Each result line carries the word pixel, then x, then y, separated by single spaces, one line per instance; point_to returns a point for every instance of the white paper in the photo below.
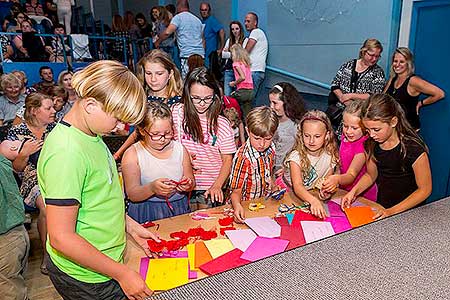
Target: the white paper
pixel 264 226
pixel 241 239
pixel 316 230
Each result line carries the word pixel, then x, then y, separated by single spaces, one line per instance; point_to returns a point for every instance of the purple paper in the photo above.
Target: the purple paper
pixel 339 224
pixel 264 226
pixel 241 239
pixel 263 247
pixel 174 254
pixel 335 210
pixel 144 267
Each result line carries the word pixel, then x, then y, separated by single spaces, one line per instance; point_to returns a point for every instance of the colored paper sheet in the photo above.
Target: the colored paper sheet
pixel 339 224
pixel 191 256
pixel 335 210
pixel 218 247
pixel 282 221
pixel 228 261
pixel 302 216
pixel 167 273
pixel 359 215
pixel 264 226
pixel 314 230
pixel 290 217
pixel 294 235
pixel 143 267
pixel 241 239
pixel 263 247
pixel 202 254
pixel 338 202
pixel 180 254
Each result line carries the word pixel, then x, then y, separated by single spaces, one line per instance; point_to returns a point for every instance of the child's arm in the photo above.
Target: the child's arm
pixel 347 178
pixel 240 78
pixel 239 214
pixel 242 133
pixel 132 180
pixel 363 184
pixel 61 222
pixel 300 191
pixel 187 173
pixel 422 174
pixel 128 142
pixel 140 234
pixel 215 191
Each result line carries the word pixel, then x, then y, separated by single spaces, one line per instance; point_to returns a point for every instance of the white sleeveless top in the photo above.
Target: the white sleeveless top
pixel 153 168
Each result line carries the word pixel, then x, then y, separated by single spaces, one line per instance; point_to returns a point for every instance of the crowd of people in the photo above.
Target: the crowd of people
pixel 193 143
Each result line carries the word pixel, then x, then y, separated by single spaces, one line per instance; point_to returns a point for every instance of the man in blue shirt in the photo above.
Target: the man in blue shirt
pixel 212 29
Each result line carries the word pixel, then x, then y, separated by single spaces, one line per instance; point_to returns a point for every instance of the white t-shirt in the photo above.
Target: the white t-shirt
pixel 258 54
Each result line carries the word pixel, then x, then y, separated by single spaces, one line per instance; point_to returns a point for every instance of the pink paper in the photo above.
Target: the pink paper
pixel 263 247
pixel 264 226
pixel 339 224
pixel 316 230
pixel 241 239
pixel 338 202
pixel 166 254
pixel 335 210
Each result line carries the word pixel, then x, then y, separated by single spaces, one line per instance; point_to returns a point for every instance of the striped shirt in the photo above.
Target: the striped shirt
pixel 207 159
pixel 252 171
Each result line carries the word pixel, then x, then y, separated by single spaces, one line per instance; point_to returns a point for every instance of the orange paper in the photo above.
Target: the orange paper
pixel 359 215
pixel 202 254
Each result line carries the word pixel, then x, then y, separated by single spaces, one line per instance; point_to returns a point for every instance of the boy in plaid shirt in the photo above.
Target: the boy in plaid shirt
pixel 251 173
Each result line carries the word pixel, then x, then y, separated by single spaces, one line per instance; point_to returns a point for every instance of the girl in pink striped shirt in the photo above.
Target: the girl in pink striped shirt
pixel 207 136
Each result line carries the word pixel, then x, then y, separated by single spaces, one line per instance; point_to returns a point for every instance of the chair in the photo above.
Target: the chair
pixel 80 44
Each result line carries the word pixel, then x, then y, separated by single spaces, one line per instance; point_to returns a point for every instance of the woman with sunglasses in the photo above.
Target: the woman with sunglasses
pixel 207 136
pixel 356 79
pixel 157 170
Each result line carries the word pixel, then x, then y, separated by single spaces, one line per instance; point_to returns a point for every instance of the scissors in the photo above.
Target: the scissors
pixel 276 195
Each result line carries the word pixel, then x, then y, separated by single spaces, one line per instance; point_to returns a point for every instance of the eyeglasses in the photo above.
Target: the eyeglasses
pixel 377 56
pixel 158 137
pixel 207 99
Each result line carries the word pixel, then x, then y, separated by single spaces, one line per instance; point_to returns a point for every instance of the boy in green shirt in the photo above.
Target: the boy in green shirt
pixel 84 202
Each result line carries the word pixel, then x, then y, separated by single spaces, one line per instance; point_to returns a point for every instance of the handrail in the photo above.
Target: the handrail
pixel 299 77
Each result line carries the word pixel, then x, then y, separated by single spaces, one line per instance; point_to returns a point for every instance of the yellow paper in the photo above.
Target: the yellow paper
pixel 167 273
pixel 191 255
pixel 218 247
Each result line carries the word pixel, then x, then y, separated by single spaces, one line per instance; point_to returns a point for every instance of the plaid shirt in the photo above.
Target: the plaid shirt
pixel 252 171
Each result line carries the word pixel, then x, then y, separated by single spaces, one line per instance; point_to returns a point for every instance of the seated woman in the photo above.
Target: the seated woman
pixel 357 79
pixel 12 99
pixel 57 47
pixel 405 87
pixel 39 121
pixel 29 46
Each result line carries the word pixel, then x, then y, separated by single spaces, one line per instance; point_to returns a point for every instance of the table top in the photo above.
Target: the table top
pixel 134 252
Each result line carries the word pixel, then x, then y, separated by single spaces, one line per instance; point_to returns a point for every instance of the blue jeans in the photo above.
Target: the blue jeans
pixel 258 78
pixel 228 76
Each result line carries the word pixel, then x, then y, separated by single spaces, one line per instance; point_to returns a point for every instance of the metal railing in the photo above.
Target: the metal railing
pixel 298 77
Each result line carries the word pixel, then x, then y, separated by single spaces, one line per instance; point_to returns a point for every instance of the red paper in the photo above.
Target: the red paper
pixel 294 235
pixel 282 221
pixel 302 216
pixel 227 261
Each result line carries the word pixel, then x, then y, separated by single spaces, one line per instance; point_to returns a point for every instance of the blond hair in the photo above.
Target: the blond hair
pixel 233 116
pixel 240 54
pixel 262 121
pixel 409 57
pixel 112 84
pixel 330 146
pixel 9 80
pixel 155 111
pixel 175 84
pixel 370 44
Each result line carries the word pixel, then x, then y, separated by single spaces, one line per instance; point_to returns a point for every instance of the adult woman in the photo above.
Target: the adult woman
pixel 144 28
pixel 33 8
pixel 168 45
pixel 162 82
pixel 12 99
pixel 19 18
pixel 405 87
pixel 30 47
pixel 39 121
pixel 133 29
pixel 119 30
pixel 236 36
pixel 357 79
pixel 64 10
pixel 65 81
pixel 154 16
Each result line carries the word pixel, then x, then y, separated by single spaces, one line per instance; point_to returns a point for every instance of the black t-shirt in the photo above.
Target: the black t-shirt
pixel 396 179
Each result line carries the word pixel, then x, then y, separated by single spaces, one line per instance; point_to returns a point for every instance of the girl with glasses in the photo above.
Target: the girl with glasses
pixel 207 136
pixel 157 171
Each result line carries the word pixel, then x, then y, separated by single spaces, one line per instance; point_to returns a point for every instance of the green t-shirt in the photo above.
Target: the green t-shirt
pixel 11 203
pixel 75 168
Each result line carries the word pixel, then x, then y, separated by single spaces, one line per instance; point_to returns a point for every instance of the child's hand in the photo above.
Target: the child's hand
pixel 324 195
pixel 317 209
pixel 185 185
pixel 330 184
pixel 232 83
pixel 162 187
pixel 215 193
pixel 133 285
pixel 348 199
pixel 239 213
pixel 279 173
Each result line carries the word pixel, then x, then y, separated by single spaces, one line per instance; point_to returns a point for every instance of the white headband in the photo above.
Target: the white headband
pixel 276 86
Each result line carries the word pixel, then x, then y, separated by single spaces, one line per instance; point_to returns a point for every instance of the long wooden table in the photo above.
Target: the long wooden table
pixel 134 252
